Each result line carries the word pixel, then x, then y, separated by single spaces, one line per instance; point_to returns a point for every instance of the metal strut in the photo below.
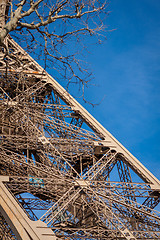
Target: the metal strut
pixel 59 180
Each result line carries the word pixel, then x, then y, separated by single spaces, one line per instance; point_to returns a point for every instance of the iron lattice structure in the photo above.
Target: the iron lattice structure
pixel 64 176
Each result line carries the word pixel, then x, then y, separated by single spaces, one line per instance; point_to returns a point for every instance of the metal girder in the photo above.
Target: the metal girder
pixel 55 165
pixel 88 118
pixel 21 225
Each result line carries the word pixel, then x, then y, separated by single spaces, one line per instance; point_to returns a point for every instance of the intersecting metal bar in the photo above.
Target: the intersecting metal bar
pixel 45 152
pixel 93 123
pixel 24 228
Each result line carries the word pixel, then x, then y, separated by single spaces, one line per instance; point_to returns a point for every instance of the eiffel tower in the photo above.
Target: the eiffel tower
pixel 62 174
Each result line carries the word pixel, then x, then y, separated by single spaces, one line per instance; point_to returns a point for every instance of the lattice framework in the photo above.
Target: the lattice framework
pixel 81 182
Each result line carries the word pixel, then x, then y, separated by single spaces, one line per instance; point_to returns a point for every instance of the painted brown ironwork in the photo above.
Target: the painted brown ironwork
pixel 61 172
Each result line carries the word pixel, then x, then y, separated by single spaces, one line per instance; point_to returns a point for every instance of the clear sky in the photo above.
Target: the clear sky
pixel 127 78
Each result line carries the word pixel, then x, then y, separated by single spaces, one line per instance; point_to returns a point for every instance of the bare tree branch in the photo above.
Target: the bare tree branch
pixel 52 28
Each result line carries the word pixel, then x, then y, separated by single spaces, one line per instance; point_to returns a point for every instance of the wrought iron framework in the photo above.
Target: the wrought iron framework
pixel 64 176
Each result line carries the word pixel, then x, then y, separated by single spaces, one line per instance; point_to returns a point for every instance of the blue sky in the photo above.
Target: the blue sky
pixel 127 79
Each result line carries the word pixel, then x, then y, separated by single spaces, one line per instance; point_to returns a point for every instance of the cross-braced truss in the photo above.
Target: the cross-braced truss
pixel 64 169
